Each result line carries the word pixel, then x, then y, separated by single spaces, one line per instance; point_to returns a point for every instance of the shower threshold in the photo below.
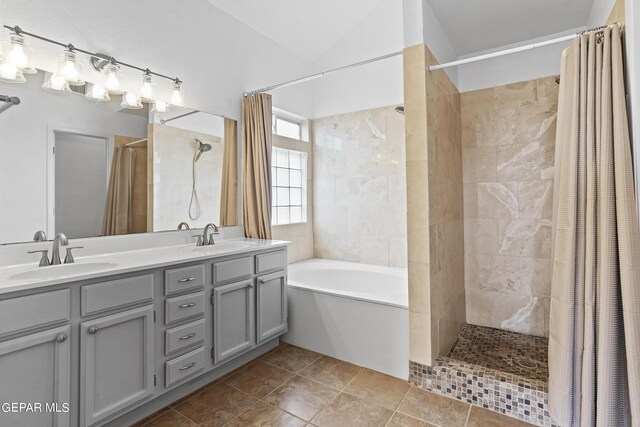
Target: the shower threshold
pixel 498 370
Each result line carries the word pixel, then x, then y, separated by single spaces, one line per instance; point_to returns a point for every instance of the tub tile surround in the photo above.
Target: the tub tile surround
pixel 435 207
pixel 362 398
pixel 300 235
pixel 508 147
pixel 359 187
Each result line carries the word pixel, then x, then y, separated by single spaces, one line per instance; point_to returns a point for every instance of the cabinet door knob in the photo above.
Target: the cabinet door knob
pixel 251 285
pixel 61 338
pixel 262 281
pixel 93 330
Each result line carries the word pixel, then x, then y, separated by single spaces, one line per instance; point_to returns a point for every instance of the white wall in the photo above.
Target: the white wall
pixel 370 86
pixel 23 148
pixel 632 11
pixel 600 11
pixel 528 65
pixel 216 56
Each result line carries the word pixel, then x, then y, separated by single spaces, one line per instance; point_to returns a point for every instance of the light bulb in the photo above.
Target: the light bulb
pixel 56 83
pixel 10 73
pixel 161 106
pixel 131 101
pixel 146 91
pixel 18 57
pixel 112 79
pixel 70 67
pixel 177 96
pixel 17 51
pixel 98 93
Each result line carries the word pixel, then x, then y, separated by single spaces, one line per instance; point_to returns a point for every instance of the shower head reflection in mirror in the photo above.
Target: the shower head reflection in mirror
pixel 194 203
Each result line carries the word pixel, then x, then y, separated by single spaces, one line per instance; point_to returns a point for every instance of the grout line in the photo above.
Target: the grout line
pixel 466 421
pixel 175 410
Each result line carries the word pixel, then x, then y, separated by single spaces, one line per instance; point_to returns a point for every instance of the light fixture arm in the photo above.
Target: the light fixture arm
pixel 16 29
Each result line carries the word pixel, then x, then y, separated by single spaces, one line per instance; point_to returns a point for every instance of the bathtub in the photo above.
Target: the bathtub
pixel 353 312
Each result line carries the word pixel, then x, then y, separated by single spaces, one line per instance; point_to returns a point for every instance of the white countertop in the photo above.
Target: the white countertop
pixel 17 277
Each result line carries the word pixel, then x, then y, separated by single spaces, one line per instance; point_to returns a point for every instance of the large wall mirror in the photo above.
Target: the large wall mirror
pixel 92 169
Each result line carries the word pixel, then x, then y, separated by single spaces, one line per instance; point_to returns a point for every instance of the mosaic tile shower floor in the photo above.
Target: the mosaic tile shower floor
pixel 513 353
pixel 502 371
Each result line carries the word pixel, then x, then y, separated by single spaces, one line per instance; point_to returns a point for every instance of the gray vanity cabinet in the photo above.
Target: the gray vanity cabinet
pixel 271 306
pixel 37 368
pixel 116 363
pixel 233 319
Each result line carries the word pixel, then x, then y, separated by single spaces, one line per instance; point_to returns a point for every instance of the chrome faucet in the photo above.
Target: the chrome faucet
pixel 60 239
pixel 183 226
pixel 209 240
pixel 40 236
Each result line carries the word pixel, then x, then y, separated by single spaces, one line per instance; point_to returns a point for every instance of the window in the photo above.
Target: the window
pixel 289 186
pixel 286 127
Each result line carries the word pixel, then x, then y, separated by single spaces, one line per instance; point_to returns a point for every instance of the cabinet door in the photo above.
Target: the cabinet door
pixel 233 319
pixel 36 369
pixel 116 363
pixel 272 306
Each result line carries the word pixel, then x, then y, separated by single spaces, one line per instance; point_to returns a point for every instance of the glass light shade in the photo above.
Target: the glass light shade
pixel 18 52
pixel 161 106
pixel 112 79
pixel 146 90
pixel 177 96
pixel 131 101
pixel 56 83
pixel 9 73
pixel 70 67
pixel 98 93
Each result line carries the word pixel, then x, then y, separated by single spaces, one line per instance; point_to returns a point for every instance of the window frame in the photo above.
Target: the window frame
pixel 275 186
pixel 276 117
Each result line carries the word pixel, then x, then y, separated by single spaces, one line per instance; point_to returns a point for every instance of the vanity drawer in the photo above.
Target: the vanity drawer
pixel 184 366
pixel 183 307
pixel 270 262
pixel 232 270
pixel 18 314
pixel 184 336
pixel 116 293
pixel 182 279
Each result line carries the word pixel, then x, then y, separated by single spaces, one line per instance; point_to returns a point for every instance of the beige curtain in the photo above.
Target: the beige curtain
pixel 594 343
pixel 229 191
pixel 118 211
pixel 256 165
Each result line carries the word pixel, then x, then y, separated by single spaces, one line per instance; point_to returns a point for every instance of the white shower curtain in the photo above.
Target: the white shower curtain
pixel 594 343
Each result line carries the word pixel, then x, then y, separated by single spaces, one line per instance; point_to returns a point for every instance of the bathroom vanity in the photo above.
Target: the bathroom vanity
pixel 133 331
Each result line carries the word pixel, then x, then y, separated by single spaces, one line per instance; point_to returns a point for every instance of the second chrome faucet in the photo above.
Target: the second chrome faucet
pixel 60 240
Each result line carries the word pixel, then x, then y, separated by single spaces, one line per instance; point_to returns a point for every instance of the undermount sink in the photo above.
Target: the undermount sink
pixel 62 270
pixel 224 246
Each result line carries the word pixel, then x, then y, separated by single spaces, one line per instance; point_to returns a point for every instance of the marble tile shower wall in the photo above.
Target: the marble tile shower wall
pixel 359 187
pixel 508 145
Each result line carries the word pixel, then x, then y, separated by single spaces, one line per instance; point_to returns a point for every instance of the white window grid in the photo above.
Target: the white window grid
pixel 286 127
pixel 288 187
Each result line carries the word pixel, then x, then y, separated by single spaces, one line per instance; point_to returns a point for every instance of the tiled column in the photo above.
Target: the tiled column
pixel 415 105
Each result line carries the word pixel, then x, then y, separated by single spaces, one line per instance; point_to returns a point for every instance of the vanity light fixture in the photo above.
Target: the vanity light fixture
pixel 98 93
pixel 161 106
pixel 16 61
pixel 112 75
pixel 70 67
pixel 56 82
pixel 177 95
pixel 17 51
pixel 131 101
pixel 146 90
pixel 9 73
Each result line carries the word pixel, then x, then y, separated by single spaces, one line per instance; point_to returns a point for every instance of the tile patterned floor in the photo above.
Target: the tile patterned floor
pixel 291 386
pixel 513 353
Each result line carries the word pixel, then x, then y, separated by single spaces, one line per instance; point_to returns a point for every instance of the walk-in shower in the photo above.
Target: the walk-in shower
pixel 194 204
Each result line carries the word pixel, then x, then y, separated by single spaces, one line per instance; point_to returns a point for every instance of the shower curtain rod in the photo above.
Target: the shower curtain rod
pixel 9 101
pixel 516 49
pixel 135 142
pixel 324 73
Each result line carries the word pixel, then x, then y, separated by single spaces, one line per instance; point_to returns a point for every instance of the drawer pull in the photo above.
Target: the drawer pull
pixel 61 338
pixel 187 279
pixel 186 337
pixel 189 366
pixel 191 304
pixel 93 330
